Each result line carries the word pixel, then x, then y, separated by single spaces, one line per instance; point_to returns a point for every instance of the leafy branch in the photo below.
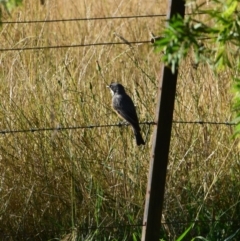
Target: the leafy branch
pixel 221 30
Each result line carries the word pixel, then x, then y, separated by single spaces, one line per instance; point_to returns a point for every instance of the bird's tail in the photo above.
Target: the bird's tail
pixel 138 137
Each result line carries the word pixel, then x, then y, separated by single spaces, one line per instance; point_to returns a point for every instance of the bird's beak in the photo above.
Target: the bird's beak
pixel 112 93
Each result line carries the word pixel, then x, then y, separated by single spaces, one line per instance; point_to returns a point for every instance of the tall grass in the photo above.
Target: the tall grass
pixel 58 184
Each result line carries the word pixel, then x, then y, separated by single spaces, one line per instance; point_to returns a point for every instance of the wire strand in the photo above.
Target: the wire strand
pixel 206 122
pixel 235 221
pixel 108 125
pixel 70 128
pixel 92 19
pixel 83 19
pixel 70 46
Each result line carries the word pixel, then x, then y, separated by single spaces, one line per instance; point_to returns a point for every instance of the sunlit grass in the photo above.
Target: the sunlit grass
pixel 58 183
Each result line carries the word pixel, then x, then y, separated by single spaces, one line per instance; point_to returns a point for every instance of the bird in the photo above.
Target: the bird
pixel 123 105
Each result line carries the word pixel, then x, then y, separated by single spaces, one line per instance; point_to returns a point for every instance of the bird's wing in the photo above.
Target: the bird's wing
pixel 124 106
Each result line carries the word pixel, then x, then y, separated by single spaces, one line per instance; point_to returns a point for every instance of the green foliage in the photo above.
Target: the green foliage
pixel 184 234
pixel 56 185
pixel 9 5
pixel 221 30
pixel 179 37
pixel 231 237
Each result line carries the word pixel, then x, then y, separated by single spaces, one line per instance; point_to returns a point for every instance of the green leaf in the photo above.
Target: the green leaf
pixel 232 7
pixel 185 233
pixel 232 236
pixel 9 5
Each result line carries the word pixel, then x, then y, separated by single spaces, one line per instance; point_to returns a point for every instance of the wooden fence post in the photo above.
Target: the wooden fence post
pixel 161 142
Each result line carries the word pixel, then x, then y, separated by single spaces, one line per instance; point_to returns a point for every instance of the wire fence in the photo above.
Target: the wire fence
pixel 59 128
pixel 72 46
pixel 92 126
pixel 83 19
pixel 92 18
pixel 152 40
pixel 117 227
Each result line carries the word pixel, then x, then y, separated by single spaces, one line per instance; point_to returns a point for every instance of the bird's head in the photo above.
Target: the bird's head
pixel 116 88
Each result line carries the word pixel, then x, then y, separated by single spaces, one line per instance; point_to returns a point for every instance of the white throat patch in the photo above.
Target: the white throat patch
pixel 112 93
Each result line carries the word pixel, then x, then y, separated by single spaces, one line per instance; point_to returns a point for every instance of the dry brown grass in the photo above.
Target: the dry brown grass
pixel 54 181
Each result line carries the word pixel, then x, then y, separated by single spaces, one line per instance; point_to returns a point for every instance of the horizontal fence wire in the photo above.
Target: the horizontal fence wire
pixel 167 223
pixel 152 40
pixel 32 130
pixel 87 44
pixel 83 19
pixel 71 46
pixel 92 18
pixel 207 122
pixel 70 128
pixel 77 45
pixel 234 221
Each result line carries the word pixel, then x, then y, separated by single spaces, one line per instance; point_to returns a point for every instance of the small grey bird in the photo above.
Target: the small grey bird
pixel 125 108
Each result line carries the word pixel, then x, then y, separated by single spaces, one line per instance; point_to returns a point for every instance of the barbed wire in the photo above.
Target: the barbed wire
pixel 60 128
pixel 32 130
pixel 168 223
pixel 207 122
pixel 71 46
pixel 83 19
pixel 234 221
pixel 70 128
pixel 93 18
pixel 152 40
